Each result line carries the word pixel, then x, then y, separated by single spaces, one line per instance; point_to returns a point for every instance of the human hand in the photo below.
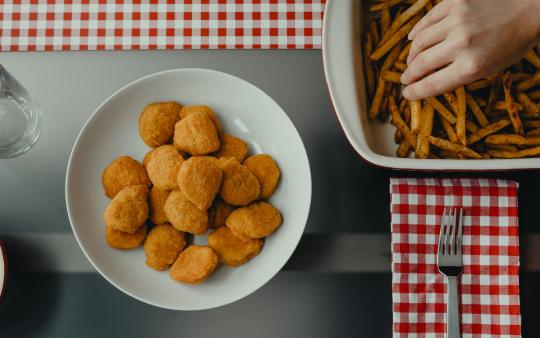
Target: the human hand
pixel 460 41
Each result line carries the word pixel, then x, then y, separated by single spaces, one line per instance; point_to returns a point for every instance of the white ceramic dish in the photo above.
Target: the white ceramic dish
pixel 343 21
pixel 112 130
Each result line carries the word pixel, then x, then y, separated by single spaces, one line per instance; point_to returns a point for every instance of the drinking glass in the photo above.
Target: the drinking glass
pixel 20 117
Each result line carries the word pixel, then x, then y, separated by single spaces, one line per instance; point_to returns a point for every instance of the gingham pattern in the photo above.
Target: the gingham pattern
pixel 489 286
pixel 121 25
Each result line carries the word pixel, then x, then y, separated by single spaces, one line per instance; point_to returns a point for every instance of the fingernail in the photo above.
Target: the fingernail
pixel 406 92
pixel 403 78
pixel 411 35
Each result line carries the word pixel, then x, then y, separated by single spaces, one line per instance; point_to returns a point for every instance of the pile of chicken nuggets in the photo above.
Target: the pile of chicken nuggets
pixel 195 177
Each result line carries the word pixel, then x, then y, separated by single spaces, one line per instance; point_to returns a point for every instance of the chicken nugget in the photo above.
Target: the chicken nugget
pixel 257 220
pixel 203 109
pixel 219 212
pixel 124 240
pixel 156 123
pixel 184 215
pixel 239 187
pixel 121 173
pixel 199 180
pixel 147 158
pixel 196 135
pixel 194 264
pixel 232 147
pixel 162 246
pixel 266 171
pixel 156 202
pixel 164 166
pixel 128 210
pixel 230 249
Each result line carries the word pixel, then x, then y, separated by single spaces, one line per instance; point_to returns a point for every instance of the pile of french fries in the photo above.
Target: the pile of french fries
pixel 494 117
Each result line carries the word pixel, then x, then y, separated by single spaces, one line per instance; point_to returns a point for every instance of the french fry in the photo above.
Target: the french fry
pixel 393 40
pixel 477 112
pixel 402 104
pixel 532 124
pixel 461 117
pixel 416 112
pixel 534 95
pixel 385 20
pixel 513 112
pixel 505 147
pixel 384 5
pixel 401 66
pixel 390 76
pixel 404 149
pixel 452 101
pixel 533 58
pixel 493 94
pixel 453 147
pixel 404 17
pixel 400 124
pixel 404 52
pixel 422 145
pixel 441 109
pixel 450 132
pixel 374 31
pixel 534 132
pixel 518 140
pixel 480 84
pixel 369 70
pixel 501 105
pixel 391 58
pixel 528 104
pixel 529 83
pixel 488 130
pixel 471 127
pixel 375 109
pixel 530 152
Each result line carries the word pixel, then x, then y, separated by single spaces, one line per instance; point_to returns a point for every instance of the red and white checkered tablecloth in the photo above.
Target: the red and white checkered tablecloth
pixel 489 286
pixel 133 24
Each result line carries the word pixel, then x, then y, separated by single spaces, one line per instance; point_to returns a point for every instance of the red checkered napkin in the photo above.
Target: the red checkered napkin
pixel 159 24
pixel 489 286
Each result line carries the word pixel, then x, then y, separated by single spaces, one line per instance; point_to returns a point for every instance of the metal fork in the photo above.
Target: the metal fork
pixel 450 264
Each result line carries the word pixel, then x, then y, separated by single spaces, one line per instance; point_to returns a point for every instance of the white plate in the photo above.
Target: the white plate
pixel 342 55
pixel 112 130
pixel 3 270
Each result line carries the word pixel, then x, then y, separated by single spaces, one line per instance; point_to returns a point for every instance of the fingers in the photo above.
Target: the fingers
pixel 427 38
pixel 438 13
pixel 442 81
pixel 429 60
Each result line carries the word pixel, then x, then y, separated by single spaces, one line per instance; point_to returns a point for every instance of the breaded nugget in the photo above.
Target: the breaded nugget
pixel 232 147
pixel 128 210
pixel 203 109
pixel 147 158
pixel 199 180
pixel 156 202
pixel 266 171
pixel 121 173
pixel 196 135
pixel 124 240
pixel 219 212
pixel 162 246
pixel 239 187
pixel 156 123
pixel 194 264
pixel 230 249
pixel 164 166
pixel 257 220
pixel 184 215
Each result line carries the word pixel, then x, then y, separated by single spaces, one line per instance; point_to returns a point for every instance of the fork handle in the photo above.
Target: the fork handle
pixel 452 310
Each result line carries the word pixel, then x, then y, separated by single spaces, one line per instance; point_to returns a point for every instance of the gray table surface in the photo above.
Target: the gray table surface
pixel 337 283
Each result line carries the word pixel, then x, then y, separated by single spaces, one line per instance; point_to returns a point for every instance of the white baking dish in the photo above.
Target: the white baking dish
pixel 374 141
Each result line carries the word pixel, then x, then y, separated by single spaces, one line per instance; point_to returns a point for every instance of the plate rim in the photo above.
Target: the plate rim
pixel 76 145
